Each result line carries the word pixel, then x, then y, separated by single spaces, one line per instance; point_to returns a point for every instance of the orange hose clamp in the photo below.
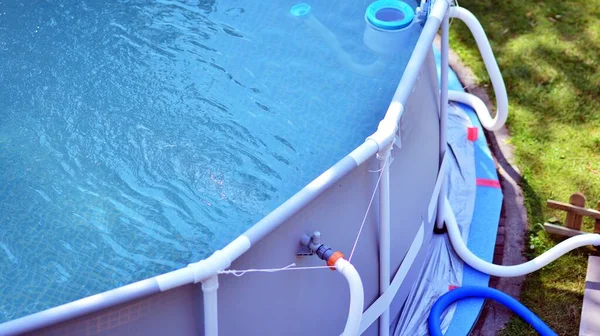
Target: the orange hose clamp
pixel 334 257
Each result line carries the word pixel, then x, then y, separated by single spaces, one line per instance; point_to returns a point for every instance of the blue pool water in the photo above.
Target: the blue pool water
pixel 139 136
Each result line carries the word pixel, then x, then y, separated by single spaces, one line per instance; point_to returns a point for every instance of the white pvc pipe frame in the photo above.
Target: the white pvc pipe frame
pixel 443 107
pixel 210 287
pixel 384 234
pixel 208 268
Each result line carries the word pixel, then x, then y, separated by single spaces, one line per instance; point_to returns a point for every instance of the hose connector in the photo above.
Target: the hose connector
pixel 333 259
pixel 311 245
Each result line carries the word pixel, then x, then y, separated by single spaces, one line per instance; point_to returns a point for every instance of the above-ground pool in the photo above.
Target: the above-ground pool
pixel 137 137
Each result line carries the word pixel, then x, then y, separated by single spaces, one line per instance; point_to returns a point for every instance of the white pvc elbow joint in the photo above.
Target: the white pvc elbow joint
pixel 205 268
pixel 387 128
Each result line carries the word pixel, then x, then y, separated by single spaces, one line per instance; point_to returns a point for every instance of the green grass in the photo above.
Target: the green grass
pixel 549 54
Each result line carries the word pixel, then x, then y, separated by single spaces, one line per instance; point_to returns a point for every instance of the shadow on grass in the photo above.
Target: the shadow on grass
pixel 562 56
pixel 556 298
pixel 562 301
pixel 550 80
pixel 555 294
pixel 549 52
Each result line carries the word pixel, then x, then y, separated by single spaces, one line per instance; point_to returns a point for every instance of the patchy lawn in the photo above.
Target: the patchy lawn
pixel 549 55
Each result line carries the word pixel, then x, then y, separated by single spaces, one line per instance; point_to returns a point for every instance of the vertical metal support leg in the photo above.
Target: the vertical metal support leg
pixel 210 287
pixel 384 234
pixel 443 114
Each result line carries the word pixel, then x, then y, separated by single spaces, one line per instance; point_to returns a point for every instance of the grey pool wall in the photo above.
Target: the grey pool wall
pixel 293 302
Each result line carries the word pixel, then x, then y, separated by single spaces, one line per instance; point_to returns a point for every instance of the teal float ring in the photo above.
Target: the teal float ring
pixel 389 14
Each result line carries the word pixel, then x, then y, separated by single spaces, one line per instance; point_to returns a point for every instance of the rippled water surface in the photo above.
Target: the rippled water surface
pixel 139 136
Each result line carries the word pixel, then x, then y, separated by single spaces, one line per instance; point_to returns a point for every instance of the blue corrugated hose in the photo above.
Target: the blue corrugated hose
pixel 489 293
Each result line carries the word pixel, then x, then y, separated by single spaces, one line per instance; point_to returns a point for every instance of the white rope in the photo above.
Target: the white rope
pixel 375 171
pixel 385 165
pixel 292 266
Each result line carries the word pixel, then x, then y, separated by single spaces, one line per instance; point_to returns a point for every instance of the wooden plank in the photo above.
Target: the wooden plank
pixel 590 323
pixel 568 207
pixel 597 224
pixel 561 230
pixel 574 219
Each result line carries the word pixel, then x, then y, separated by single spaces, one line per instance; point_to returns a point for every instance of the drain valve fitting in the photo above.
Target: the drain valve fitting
pixel 312 245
